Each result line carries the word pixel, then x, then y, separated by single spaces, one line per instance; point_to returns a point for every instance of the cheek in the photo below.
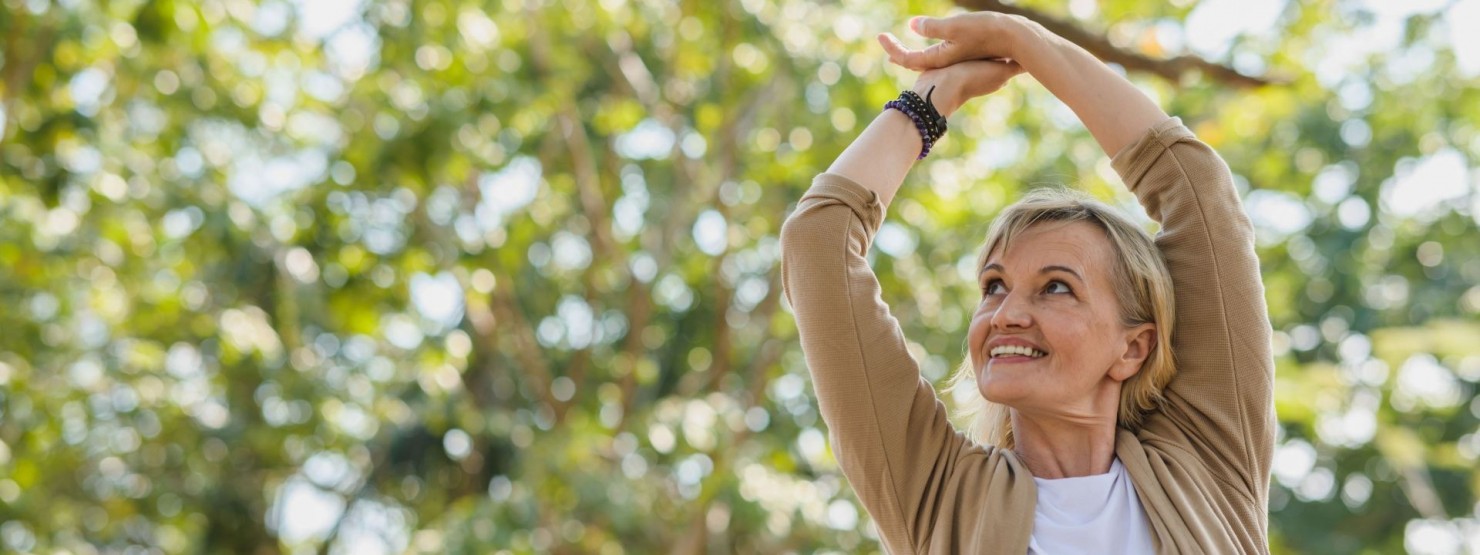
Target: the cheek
pixel 1080 340
pixel 976 333
pixel 1067 334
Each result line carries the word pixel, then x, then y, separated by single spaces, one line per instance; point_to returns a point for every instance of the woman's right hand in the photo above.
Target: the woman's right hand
pixel 968 36
pixel 957 83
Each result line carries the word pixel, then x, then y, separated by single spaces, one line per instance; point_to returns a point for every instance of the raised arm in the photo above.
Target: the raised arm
pixel 1220 402
pixel 880 157
pixel 887 429
pixel 1113 110
pixel 1222 395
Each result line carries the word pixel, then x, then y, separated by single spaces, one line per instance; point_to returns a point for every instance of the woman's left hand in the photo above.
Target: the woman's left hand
pixel 982 35
pixel 957 83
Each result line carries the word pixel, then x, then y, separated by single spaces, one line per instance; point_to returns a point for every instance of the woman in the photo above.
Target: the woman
pixel 1102 444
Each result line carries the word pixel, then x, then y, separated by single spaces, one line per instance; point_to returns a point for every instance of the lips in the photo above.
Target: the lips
pixel 1016 350
pixel 1012 350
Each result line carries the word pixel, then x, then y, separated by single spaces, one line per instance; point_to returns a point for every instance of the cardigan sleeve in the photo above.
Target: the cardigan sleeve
pixel 888 430
pixel 1221 398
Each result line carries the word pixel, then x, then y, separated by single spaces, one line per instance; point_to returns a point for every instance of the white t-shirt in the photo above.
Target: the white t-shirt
pixel 1090 514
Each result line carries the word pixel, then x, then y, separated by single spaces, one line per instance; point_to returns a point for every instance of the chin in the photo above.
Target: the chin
pixel 1000 389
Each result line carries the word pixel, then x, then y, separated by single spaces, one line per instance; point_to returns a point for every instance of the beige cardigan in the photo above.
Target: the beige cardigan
pixel 1200 465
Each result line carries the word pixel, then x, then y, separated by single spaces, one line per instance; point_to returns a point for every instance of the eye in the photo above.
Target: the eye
pixel 989 289
pixel 1063 287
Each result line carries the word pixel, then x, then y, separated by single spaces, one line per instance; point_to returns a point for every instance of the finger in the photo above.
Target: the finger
pixel 983 78
pixel 1002 72
pixel 937 56
pixel 999 71
pixel 934 27
pixel 894 49
pixel 995 65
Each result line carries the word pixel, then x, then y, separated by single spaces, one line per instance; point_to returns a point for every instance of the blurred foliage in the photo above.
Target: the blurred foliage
pixel 458 276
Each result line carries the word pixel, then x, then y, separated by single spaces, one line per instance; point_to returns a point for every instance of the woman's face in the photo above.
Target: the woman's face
pixel 1052 292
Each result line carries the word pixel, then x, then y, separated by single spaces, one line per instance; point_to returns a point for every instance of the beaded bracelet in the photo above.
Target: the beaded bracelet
pixel 928 121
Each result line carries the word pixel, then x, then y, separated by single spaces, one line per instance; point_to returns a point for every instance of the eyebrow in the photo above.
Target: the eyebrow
pixel 1043 270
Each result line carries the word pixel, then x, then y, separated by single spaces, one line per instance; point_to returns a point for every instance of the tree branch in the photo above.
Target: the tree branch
pixel 571 130
pixel 534 370
pixel 1171 69
pixel 1419 488
pixel 21 63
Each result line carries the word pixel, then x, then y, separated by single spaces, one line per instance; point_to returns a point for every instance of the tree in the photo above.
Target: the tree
pixel 443 275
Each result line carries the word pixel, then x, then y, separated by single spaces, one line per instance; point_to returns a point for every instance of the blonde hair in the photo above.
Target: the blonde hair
pixel 1143 287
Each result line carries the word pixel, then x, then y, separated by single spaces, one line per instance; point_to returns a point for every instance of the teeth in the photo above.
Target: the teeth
pixel 1010 350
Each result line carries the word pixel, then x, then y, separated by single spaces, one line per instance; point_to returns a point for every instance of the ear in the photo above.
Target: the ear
pixel 1139 342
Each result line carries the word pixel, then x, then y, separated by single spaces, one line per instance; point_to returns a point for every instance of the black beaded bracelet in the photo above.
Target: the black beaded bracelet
pixel 928 121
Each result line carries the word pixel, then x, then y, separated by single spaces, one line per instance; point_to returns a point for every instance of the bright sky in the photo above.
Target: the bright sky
pixel 1210 30
pixel 1420 186
pixel 319 18
pixel 1213 24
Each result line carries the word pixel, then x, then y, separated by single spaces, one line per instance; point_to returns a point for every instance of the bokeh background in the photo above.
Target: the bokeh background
pixel 341 276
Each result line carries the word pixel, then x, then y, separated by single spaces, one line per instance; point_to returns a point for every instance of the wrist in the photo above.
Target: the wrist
pixel 1025 38
pixel 944 98
pixel 923 114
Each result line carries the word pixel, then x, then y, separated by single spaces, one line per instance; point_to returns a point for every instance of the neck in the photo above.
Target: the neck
pixel 1058 447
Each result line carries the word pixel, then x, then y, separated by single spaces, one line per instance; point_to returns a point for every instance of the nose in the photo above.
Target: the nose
pixel 1012 313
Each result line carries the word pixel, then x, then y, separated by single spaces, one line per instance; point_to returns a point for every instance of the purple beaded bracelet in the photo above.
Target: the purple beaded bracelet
pixel 928 121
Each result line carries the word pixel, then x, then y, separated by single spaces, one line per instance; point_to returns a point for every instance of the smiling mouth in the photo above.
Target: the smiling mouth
pixel 1015 353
